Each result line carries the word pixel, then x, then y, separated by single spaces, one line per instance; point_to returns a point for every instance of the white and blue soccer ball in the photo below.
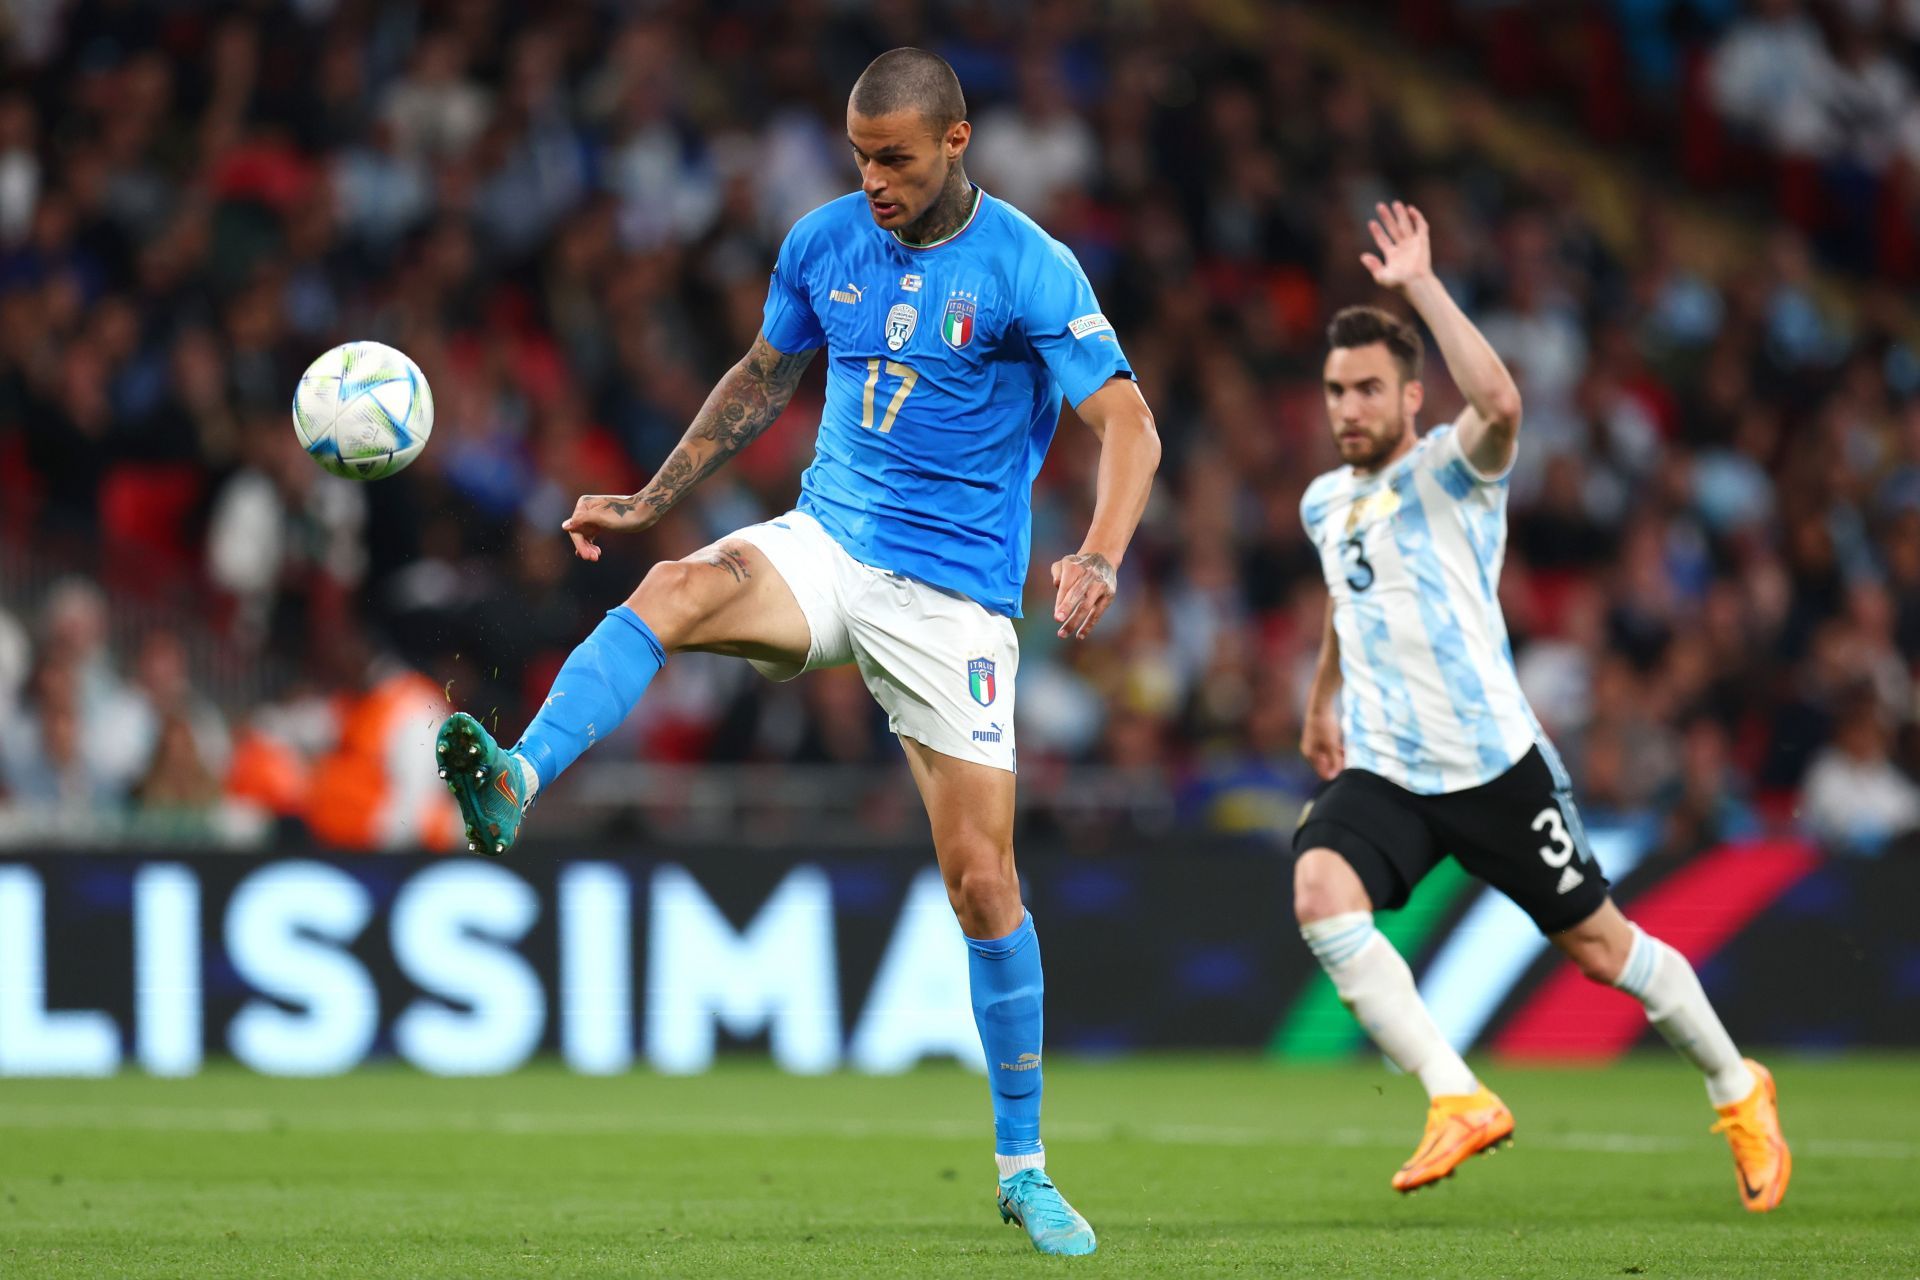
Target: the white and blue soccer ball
pixel 363 410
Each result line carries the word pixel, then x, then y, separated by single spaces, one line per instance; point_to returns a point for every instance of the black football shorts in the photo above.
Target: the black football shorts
pixel 1520 833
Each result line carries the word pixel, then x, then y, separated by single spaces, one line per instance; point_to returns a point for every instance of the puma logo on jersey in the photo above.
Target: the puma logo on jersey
pixel 849 294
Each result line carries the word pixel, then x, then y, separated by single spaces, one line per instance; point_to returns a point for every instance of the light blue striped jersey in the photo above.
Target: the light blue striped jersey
pixel 1412 560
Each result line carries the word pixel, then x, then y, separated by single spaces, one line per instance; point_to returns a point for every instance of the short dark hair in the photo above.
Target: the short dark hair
pixel 1364 326
pixel 911 80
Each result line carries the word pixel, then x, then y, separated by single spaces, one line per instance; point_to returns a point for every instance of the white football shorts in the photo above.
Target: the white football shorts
pixel 942 666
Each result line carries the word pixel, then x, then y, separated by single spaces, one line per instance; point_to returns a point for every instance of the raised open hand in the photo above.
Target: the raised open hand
pixel 1406 254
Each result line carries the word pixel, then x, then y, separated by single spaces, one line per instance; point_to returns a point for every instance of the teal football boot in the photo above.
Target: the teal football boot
pixel 485 780
pixel 1030 1199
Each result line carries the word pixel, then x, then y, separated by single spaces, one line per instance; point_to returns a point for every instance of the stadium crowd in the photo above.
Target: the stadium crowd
pixel 1810 108
pixel 1713 576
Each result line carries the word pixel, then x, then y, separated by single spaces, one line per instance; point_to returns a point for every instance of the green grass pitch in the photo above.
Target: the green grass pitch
pixel 1186 1166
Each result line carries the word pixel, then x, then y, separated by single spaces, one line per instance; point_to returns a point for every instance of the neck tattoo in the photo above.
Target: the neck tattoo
pixel 948 214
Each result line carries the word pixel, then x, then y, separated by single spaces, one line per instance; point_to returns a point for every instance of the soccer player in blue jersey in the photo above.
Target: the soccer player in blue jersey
pixel 953 326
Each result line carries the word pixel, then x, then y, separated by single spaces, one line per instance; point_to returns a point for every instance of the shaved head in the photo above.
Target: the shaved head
pixel 910 80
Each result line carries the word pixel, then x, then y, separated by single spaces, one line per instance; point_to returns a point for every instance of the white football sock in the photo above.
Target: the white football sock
pixel 1377 986
pixel 528 776
pixel 1661 979
pixel 1010 1165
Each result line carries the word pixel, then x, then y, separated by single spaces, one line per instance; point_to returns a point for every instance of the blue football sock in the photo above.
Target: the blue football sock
pixel 599 684
pixel 1008 995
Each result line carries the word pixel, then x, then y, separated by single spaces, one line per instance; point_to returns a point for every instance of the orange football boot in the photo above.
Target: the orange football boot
pixel 1458 1125
pixel 1761 1160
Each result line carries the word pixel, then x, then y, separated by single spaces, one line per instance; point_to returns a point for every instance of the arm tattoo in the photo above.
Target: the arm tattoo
pixel 744 403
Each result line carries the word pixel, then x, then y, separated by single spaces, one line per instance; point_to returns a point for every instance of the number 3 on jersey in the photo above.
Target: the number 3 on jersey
pixel 1359 568
pixel 908 377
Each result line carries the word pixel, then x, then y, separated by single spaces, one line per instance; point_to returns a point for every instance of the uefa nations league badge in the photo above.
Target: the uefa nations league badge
pixel 900 322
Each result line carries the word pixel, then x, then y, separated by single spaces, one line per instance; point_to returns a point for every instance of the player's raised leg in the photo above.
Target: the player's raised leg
pixel 727 598
pixel 1335 910
pixel 1613 950
pixel 971 808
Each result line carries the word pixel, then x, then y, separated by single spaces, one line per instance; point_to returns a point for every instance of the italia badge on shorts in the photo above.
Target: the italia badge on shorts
pixel 956 324
pixel 980 680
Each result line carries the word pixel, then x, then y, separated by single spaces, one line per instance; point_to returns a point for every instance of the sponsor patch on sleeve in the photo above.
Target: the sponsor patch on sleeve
pixel 1095 323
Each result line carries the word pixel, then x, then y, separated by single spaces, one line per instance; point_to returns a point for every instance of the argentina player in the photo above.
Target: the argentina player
pixel 1433 750
pixel 953 326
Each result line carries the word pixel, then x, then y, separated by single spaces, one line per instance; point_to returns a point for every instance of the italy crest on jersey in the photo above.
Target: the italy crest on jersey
pixel 956 325
pixel 980 677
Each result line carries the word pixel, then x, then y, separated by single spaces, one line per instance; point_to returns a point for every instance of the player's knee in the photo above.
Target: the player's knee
pixel 985 893
pixel 1324 886
pixel 672 599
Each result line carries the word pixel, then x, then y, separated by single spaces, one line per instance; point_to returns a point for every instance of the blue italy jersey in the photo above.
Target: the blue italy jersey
pixel 945 370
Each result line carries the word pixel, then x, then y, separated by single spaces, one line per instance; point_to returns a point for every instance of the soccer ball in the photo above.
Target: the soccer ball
pixel 363 410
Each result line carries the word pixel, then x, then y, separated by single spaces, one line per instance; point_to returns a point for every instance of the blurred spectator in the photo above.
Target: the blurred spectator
pixel 162 698
pixel 1855 798
pixel 49 762
pixel 377 786
pixel 1260 785
pixel 1037 147
pixel 1705 804
pixel 1557 670
pixel 661 168
pixel 1767 72
pixel 1866 98
pixel 280 531
pixel 540 166
pixel 177 783
pixel 434 110
pixel 86 682
pixel 380 193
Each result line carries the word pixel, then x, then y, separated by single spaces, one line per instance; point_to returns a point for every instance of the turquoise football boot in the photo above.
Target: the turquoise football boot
pixel 485 780
pixel 1030 1199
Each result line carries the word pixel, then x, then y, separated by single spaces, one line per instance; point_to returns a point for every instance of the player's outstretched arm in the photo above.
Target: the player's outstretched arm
pixel 744 403
pixel 1489 428
pixel 1129 455
pixel 1320 736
